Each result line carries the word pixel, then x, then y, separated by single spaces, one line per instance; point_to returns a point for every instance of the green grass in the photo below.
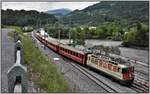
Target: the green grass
pixel 41 70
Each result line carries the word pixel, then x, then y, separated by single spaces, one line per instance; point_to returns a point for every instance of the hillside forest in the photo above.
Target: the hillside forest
pixel 125 21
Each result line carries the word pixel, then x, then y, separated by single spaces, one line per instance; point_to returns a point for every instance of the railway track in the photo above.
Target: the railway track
pixel 141 73
pixel 139 85
pixel 94 79
pixel 141 82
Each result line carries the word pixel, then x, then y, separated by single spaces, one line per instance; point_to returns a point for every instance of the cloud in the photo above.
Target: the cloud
pixel 44 6
pixel 40 6
pixel 72 5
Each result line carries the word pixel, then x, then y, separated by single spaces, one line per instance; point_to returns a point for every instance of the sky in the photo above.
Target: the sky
pixel 44 6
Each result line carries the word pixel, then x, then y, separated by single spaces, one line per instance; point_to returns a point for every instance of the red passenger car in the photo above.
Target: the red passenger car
pixel 72 53
pixel 67 51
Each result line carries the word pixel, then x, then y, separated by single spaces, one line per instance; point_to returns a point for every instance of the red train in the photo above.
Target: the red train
pixel 120 69
pixel 63 49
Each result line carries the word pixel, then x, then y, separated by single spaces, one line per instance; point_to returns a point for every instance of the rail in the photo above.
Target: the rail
pixel 17 74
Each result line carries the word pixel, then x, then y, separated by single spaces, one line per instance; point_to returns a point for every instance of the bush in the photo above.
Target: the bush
pixel 44 72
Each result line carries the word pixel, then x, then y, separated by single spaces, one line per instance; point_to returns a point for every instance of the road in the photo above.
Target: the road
pixel 7 58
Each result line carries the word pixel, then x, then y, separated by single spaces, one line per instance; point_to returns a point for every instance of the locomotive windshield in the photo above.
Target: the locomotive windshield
pixel 124 70
pixel 128 69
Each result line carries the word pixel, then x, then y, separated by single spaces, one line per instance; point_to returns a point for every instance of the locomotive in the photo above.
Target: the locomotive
pixel 117 68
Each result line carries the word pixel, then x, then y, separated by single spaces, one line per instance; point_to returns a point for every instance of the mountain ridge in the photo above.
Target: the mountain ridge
pixel 128 12
pixel 59 12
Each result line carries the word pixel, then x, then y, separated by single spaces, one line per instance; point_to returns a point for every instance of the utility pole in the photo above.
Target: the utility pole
pixel 40 24
pixel 69 37
pixel 59 34
pixel 37 24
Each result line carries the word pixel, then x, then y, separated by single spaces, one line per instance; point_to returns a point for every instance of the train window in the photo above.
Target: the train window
pixel 92 60
pixel 118 69
pixel 96 61
pixel 81 56
pixel 89 58
pixel 100 64
pixel 124 70
pixel 69 52
pixel 77 54
pixel 115 68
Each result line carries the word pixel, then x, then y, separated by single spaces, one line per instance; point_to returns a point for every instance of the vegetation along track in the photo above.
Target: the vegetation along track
pixel 94 79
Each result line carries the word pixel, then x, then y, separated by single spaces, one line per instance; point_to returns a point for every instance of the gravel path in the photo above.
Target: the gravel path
pixel 7 58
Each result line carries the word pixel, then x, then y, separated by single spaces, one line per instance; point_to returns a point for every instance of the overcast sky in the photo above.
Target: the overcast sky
pixel 44 6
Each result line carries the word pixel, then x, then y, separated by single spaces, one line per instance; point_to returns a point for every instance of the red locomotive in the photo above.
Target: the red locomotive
pixel 119 69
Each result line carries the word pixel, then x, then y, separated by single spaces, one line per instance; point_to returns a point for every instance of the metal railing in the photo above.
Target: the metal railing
pixel 17 74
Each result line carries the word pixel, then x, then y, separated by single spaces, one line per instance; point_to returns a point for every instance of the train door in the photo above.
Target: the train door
pixel 125 72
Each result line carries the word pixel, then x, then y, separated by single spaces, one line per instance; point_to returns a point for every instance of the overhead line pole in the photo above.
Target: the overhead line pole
pixel 69 31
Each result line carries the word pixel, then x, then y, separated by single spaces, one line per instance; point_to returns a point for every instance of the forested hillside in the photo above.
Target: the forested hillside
pixel 125 21
pixel 25 18
pixel 59 12
pixel 124 12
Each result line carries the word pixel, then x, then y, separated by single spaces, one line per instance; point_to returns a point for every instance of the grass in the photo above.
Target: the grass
pixel 43 73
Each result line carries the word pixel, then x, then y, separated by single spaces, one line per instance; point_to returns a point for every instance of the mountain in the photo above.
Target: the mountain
pixel 25 18
pixel 59 12
pixel 124 12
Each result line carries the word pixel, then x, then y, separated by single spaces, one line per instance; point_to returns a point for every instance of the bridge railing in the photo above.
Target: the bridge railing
pixel 17 74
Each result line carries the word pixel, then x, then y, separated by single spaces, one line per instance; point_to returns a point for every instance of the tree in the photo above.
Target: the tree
pixel 25 18
pixel 137 36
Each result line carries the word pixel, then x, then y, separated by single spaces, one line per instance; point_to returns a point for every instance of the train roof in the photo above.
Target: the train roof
pixel 53 41
pixel 72 48
pixel 56 42
pixel 123 63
